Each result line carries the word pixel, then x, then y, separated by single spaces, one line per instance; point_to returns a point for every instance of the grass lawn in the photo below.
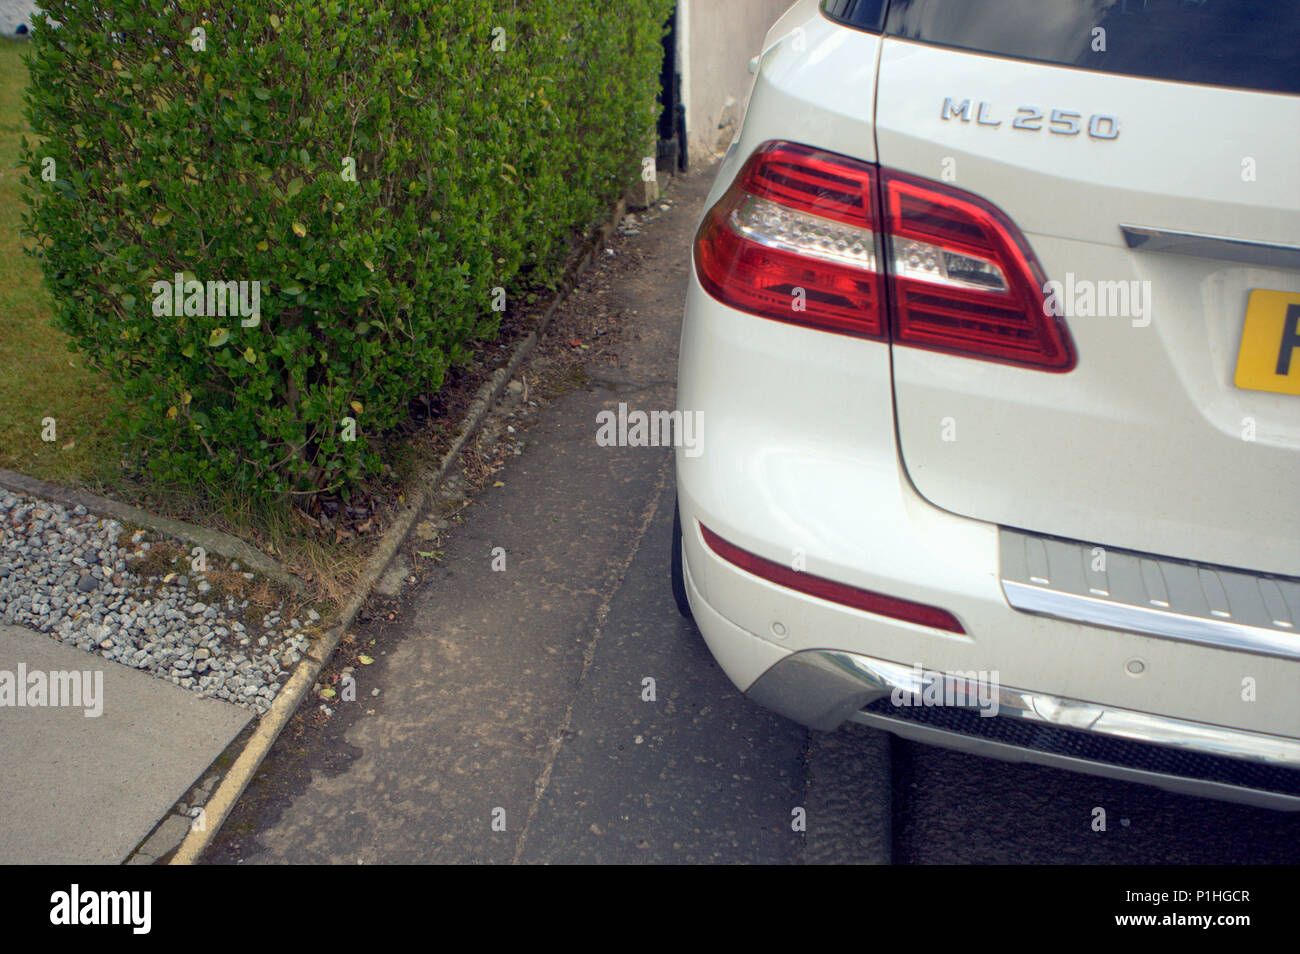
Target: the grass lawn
pixel 39 376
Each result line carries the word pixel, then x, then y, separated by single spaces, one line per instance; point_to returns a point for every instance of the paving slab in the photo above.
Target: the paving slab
pixel 81 788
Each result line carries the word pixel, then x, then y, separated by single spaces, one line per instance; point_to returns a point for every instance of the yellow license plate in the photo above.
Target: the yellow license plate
pixel 1269 359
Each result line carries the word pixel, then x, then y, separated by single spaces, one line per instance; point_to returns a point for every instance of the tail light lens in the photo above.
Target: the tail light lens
pixel 794 239
pixel 801 237
pixel 964 280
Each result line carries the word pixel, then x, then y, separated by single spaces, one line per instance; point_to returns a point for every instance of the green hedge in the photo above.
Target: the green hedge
pixel 474 165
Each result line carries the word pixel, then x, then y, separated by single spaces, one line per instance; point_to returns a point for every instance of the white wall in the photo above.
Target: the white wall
pixel 13 13
pixel 716 40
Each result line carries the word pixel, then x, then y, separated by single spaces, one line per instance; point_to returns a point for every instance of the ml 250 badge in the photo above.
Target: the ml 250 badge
pixel 1061 122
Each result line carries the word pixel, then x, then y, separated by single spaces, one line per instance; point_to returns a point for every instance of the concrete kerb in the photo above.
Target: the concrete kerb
pixel 218 807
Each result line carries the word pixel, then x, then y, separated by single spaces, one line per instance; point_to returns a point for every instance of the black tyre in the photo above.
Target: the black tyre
pixel 678 574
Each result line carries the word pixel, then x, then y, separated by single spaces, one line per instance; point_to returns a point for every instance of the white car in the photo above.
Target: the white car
pixel 994 322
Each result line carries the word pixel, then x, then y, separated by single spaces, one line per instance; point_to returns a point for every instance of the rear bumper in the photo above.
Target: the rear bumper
pixel 800 463
pixel 822 688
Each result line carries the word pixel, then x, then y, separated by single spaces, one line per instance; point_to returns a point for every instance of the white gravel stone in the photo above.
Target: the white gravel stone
pixel 68 573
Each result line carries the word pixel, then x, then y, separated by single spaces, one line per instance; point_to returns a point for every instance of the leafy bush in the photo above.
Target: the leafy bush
pixel 219 145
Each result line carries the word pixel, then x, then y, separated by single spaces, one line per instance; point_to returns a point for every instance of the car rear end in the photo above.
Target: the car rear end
pixel 995 324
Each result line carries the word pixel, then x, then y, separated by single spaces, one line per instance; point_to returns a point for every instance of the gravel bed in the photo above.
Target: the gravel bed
pixel 69 574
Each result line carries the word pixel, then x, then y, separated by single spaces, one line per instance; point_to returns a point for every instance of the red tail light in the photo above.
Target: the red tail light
pixel 963 279
pixel 794 239
pixel 801 237
pixel 920 613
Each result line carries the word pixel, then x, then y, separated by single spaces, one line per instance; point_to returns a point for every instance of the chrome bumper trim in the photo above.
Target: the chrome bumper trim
pixel 824 688
pixel 987 748
pixel 1265 254
pixel 1152 622
pixel 1156 596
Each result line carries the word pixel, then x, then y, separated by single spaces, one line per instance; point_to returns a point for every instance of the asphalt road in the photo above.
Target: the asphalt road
pixel 514 722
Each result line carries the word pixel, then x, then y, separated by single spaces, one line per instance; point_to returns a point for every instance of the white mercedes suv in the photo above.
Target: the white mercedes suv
pixel 995 322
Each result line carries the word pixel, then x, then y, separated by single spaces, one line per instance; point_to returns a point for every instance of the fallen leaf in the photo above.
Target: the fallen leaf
pixel 365 660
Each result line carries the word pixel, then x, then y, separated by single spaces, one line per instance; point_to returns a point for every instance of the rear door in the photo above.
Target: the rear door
pixel 1149 151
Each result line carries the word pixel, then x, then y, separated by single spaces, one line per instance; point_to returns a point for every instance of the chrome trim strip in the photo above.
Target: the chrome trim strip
pixel 849 681
pixel 1152 622
pixel 1156 596
pixel 1167 241
pixel 989 748
pixel 1144 727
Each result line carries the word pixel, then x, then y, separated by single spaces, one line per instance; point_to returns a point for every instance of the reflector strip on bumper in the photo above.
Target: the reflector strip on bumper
pixel 822 588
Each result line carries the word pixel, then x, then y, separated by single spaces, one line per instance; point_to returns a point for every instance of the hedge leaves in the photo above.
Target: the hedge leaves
pixel 273 224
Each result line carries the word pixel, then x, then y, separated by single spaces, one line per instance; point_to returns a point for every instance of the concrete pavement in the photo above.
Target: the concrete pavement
pixel 85 789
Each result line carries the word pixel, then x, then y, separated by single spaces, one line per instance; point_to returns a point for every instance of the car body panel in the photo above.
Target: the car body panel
pixel 1151 406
